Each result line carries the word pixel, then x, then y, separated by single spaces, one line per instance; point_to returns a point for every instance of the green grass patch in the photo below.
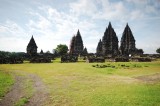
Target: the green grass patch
pixel 21 102
pixel 6 81
pixel 81 84
pixel 128 95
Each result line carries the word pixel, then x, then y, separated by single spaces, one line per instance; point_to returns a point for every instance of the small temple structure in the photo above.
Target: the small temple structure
pixel 32 47
pixel 76 45
pixel 85 52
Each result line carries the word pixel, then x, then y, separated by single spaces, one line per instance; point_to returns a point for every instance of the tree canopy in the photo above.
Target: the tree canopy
pixel 158 50
pixel 62 49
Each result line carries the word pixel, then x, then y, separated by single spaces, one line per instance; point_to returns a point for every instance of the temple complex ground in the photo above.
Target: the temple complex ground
pixel 80 84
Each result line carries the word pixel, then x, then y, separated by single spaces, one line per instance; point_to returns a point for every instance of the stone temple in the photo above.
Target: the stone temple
pixel 127 46
pixel 32 47
pixel 109 45
pixel 76 45
pixel 99 48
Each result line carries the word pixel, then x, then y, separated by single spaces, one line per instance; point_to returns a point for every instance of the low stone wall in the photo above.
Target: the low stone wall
pixel 40 60
pixel 69 58
pixel 94 59
pixel 121 59
pixel 11 60
pixel 140 59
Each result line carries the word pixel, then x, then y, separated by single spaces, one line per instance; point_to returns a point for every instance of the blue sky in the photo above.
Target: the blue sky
pixel 54 22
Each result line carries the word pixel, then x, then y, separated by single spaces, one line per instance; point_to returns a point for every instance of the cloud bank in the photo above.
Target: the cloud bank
pixel 55 22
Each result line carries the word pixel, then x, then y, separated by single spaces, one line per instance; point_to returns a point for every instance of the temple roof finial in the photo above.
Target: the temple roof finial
pixel 127 25
pixel 110 25
pixel 78 33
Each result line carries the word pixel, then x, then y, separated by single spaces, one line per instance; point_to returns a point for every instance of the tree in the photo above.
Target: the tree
pixel 158 50
pixel 61 49
pixel 48 52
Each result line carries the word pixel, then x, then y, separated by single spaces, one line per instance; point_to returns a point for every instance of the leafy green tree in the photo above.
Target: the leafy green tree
pixel 62 49
pixel 158 50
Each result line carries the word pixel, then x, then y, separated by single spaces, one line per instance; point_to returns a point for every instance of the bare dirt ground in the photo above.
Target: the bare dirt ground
pixel 15 93
pixel 40 92
pixel 149 78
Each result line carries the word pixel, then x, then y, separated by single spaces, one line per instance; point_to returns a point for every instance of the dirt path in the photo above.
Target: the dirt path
pixel 149 78
pixel 15 93
pixel 40 93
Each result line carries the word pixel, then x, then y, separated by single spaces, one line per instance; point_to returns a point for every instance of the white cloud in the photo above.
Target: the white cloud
pixel 62 26
pixel 11 29
pixel 12 36
pixel 40 22
pixel 151 9
pixel 136 14
pixel 100 9
pixel 53 13
pixel 51 26
pixel 83 7
pixel 139 2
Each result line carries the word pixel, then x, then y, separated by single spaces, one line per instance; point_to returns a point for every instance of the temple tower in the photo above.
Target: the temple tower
pixel 110 42
pixel 99 48
pixel 76 44
pixel 85 52
pixel 72 42
pixel 127 42
pixel 32 47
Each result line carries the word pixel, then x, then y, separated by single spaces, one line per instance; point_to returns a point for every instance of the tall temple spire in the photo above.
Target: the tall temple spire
pixel 76 45
pixel 99 48
pixel 71 51
pixel 127 42
pixel 110 42
pixel 32 42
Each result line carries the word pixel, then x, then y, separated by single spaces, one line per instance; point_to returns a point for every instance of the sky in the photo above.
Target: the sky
pixel 53 22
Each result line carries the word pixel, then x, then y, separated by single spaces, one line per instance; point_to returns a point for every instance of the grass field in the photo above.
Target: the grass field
pixel 6 80
pixel 85 84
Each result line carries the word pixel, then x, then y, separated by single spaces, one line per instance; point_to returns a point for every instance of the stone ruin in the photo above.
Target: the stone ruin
pixel 128 46
pixel 69 58
pixel 39 59
pixel 141 59
pixel 34 57
pixel 11 57
pixel 76 45
pixel 32 47
pixel 121 59
pixel 95 59
pixel 108 46
pixel 11 60
pixel 99 51
pixel 110 42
